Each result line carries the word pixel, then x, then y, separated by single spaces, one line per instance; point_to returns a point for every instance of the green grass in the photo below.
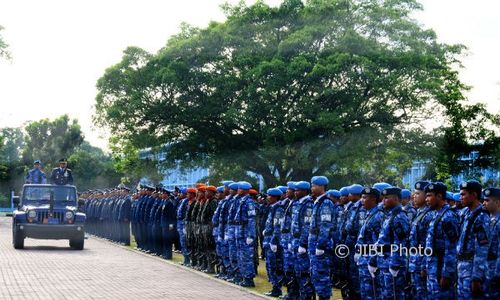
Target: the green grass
pixel 262 285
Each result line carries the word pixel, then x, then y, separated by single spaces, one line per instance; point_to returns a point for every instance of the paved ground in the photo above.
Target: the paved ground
pixel 52 270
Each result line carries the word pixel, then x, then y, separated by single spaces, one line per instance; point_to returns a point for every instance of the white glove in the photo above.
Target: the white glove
pixel 264 232
pixel 372 270
pixel 393 272
pixel 302 250
pixel 219 239
pixel 226 238
pixel 249 241
pixel 274 248
pixel 290 247
pixel 184 231
pixel 170 227
pixel 319 252
pixel 356 257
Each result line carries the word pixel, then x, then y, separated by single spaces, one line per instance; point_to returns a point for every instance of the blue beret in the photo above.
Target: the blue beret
pixel 371 191
pixel 282 188
pixel 319 180
pixel 274 192
pixel 355 189
pixel 220 189
pixel 471 185
pixel 291 185
pixel 380 186
pixel 333 193
pixel 37 162
pixel 491 192
pixel 302 185
pixel 436 187
pixel 233 186
pixel 457 197
pixel 420 185
pixel 405 194
pixel 344 191
pixel 449 196
pixel 243 185
pixel 226 183
pixel 392 191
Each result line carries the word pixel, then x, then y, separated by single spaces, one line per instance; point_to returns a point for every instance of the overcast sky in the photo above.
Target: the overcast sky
pixel 60 48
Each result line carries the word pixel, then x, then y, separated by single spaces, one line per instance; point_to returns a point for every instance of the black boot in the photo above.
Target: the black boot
pixel 275 292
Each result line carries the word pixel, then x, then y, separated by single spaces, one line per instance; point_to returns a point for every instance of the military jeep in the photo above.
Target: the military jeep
pixel 47 211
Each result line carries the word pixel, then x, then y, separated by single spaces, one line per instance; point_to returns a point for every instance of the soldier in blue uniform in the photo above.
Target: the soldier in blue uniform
pixel 418 233
pixel 392 237
pixel 408 208
pixel 272 233
pixel 355 215
pixel 370 287
pixel 229 233
pixel 320 238
pixel 442 236
pixel 288 202
pixel 221 200
pixel 124 216
pixel 36 175
pixel 167 224
pixel 223 228
pixel 245 234
pixel 301 222
pixel 62 175
pixel 492 204
pixel 340 265
pixel 473 244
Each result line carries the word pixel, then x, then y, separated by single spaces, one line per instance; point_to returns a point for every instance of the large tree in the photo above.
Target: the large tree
pixel 323 87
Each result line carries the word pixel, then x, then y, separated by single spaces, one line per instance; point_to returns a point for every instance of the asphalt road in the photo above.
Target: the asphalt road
pixel 49 269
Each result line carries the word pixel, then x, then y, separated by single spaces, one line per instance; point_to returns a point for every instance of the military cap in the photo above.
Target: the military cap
pixel 405 194
pixel 183 190
pixel 302 185
pixel 226 183
pixel 392 191
pixel 333 193
pixel 276 192
pixel 319 180
pixel 211 188
pixel 291 185
pixel 371 191
pixel 344 191
pixel 449 196
pixel 220 189
pixel 197 185
pixel 37 162
pixel 243 185
pixel 473 186
pixel 282 188
pixel 63 160
pixel 457 197
pixel 420 185
pixel 192 190
pixel 380 186
pixel 202 188
pixel 355 189
pixel 253 192
pixel 233 186
pixel 492 192
pixel 436 187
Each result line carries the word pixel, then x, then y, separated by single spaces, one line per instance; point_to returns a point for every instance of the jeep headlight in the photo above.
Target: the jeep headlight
pixel 68 215
pixel 31 214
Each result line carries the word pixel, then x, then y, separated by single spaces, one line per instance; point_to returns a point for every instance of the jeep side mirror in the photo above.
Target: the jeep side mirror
pixel 16 201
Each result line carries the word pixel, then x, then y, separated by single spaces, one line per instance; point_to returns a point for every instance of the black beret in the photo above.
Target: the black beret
pixel 370 191
pixel 392 191
pixel 492 192
pixel 471 185
pixel 436 187
pixel 420 185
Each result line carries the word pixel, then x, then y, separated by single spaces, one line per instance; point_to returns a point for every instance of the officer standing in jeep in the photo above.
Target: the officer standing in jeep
pixel 62 175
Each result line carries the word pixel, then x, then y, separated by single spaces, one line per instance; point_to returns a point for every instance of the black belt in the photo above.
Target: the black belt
pixel 241 223
pixel 285 231
pixel 268 234
pixel 314 231
pixel 465 256
pixel 492 256
pixel 296 235
pixel 231 222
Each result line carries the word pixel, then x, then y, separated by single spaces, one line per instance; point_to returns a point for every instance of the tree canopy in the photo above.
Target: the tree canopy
pixel 335 87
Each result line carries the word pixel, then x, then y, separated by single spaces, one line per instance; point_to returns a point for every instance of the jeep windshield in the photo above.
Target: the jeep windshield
pixel 43 194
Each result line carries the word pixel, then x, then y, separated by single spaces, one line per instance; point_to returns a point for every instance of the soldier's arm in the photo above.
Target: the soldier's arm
pixel 451 232
pixel 481 246
pixel 276 235
pixel 325 225
pixel 44 178
pixel 400 232
pixel 306 225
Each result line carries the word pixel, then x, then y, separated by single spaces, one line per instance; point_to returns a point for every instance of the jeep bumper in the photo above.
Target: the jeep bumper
pixel 51 232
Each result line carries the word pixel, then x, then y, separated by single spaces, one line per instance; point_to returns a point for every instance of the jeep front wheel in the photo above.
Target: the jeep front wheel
pixel 77 243
pixel 17 238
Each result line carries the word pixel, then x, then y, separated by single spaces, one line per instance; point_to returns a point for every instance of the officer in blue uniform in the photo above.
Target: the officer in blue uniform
pixel 124 216
pixel 220 195
pixel 370 288
pixel 392 237
pixel 408 208
pixel 340 265
pixel 245 234
pixel 62 175
pixel 418 233
pixel 442 236
pixel 473 244
pixel 36 175
pixel 167 224
pixel 320 246
pixel 354 219
pixel 272 233
pixel 229 233
pixel 289 280
pixel 492 204
pixel 301 222
pixel 222 228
